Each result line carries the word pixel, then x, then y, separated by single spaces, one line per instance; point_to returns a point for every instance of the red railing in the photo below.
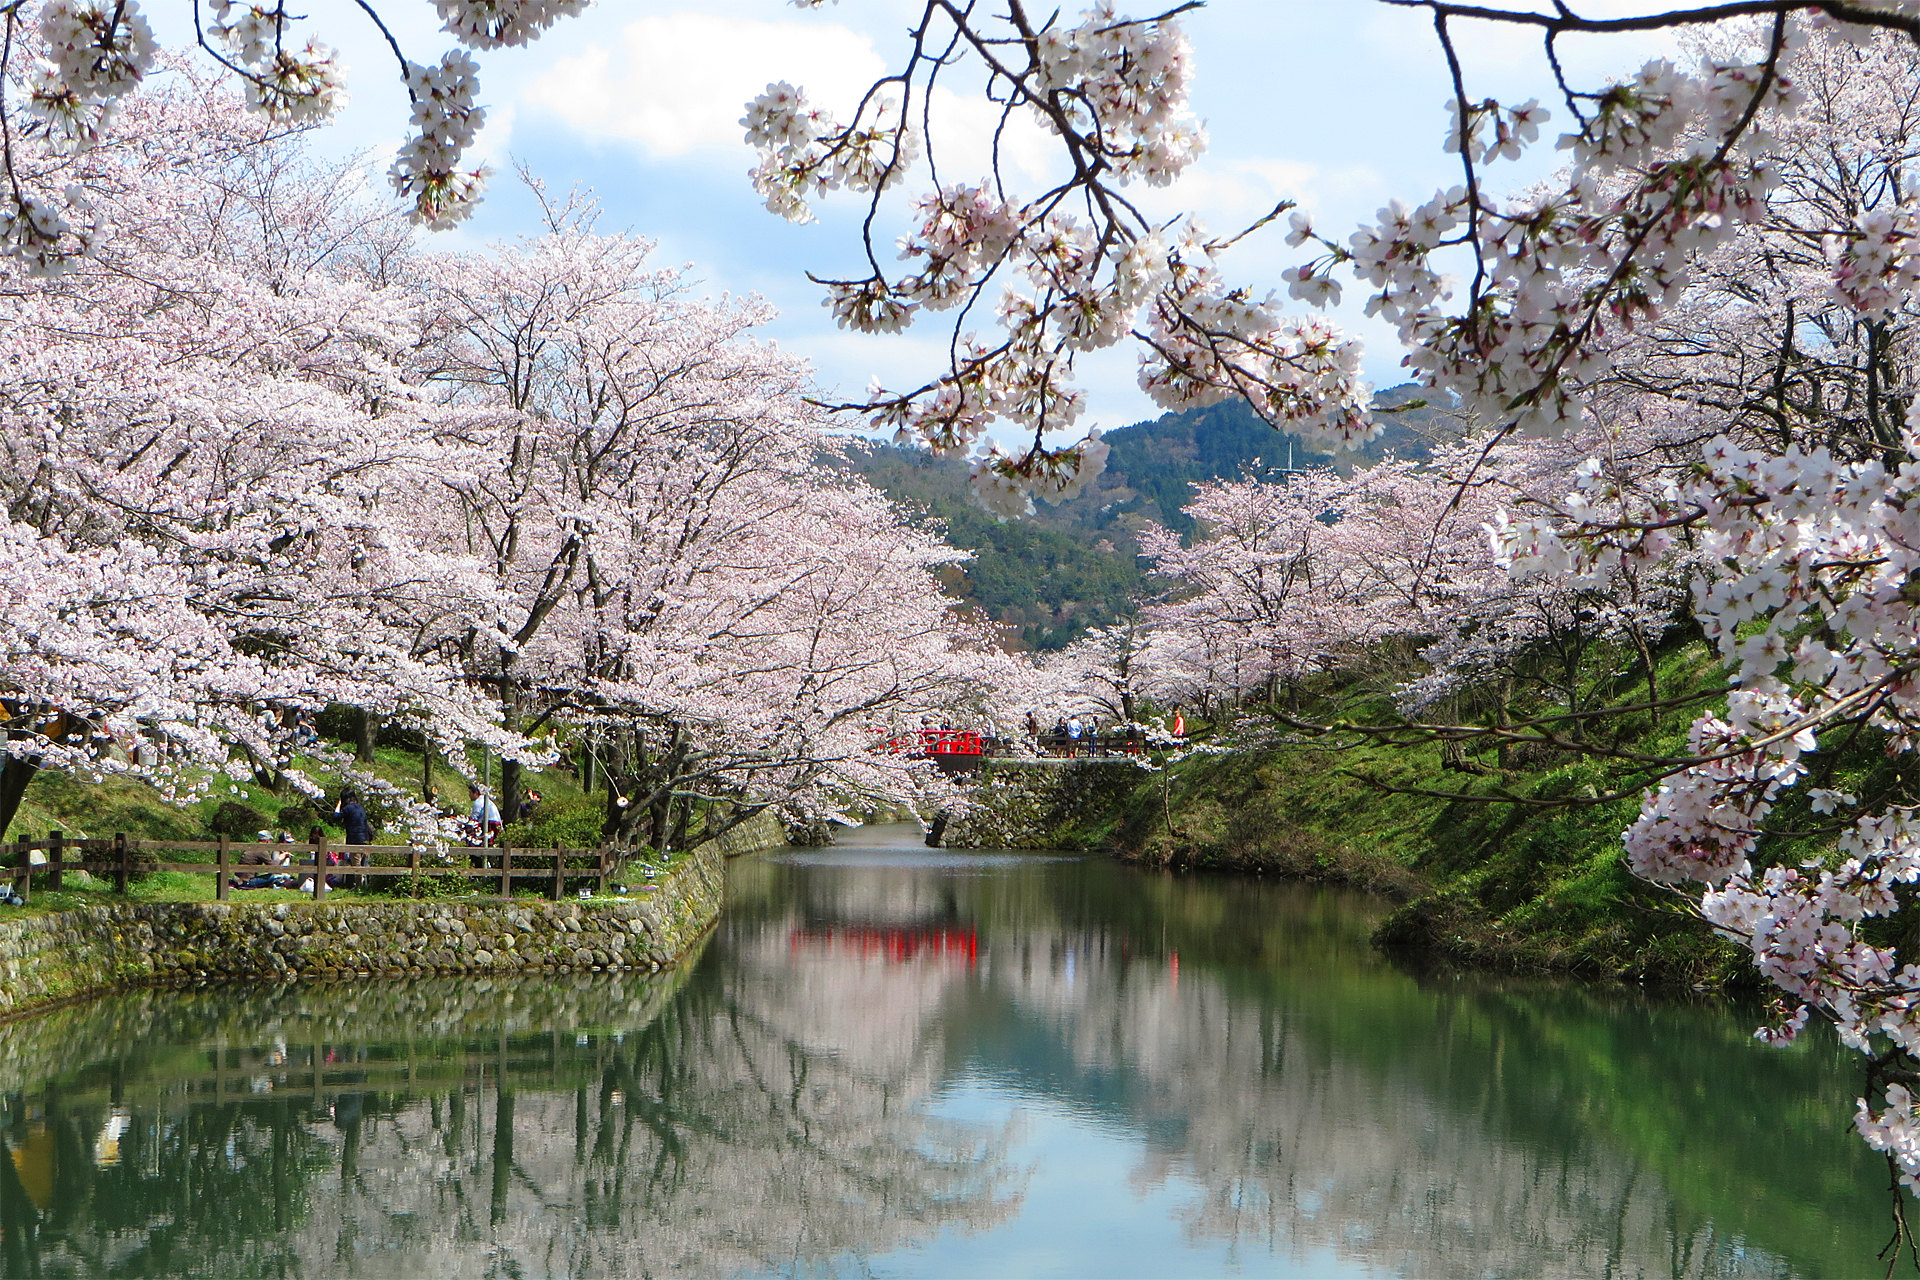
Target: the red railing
pixel 939 742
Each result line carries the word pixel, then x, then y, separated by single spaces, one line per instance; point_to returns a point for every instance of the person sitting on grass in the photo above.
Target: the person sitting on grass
pixel 264 855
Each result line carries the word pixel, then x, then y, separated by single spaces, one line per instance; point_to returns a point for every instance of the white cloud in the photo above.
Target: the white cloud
pixel 1229 193
pixel 677 83
pixel 964 126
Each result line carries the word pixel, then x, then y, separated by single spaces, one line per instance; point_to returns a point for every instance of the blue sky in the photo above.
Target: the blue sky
pixel 1334 103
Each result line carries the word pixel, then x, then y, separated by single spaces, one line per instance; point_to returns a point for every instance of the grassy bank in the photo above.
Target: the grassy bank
pixel 81 809
pixel 1489 883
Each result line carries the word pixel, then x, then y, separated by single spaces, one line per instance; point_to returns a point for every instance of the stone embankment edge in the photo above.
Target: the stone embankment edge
pixel 56 959
pixel 1036 804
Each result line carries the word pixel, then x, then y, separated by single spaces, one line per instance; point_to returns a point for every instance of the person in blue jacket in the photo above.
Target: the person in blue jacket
pixel 353 817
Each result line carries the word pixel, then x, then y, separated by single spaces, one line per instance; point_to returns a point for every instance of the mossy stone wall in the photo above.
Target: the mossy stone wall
pixel 763 830
pixel 50 958
pixel 1039 804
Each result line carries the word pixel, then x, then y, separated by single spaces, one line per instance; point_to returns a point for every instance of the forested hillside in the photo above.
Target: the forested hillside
pixel 1075 566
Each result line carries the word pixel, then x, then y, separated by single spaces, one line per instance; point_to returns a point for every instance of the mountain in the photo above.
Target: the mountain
pixel 1074 566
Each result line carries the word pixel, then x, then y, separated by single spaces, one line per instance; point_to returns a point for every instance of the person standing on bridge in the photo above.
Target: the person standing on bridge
pixel 1073 736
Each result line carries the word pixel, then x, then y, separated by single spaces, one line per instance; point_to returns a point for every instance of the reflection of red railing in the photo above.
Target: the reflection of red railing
pixel 939 742
pixel 892 945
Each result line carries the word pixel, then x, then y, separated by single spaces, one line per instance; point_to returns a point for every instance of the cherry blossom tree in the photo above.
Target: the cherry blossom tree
pixel 687 583
pixel 202 422
pixel 68 69
pixel 1693 191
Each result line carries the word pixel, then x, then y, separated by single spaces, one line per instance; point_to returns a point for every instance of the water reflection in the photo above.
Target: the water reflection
pixel 897 1061
pixel 1311 1103
pixel 599 1126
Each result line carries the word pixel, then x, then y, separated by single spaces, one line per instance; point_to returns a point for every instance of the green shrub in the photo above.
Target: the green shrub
pixel 399 734
pixel 237 821
pixel 300 818
pixel 337 722
pixel 562 824
pixel 423 886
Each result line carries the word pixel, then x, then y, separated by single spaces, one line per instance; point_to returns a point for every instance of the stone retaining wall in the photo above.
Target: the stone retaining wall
pixel 1037 804
pixel 763 830
pixel 50 958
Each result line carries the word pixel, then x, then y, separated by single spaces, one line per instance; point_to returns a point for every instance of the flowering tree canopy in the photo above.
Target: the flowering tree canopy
pixel 261 454
pixel 69 67
pixel 684 580
pixel 1713 298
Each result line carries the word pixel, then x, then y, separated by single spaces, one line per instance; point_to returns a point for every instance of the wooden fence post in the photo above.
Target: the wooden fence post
pixel 600 887
pixel 319 869
pixel 23 878
pixel 506 876
pixel 22 859
pixel 220 889
pixel 120 868
pixel 56 850
pixel 559 872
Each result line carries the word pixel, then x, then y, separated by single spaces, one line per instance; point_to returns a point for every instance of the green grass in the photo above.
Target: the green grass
pixel 82 809
pixel 1479 880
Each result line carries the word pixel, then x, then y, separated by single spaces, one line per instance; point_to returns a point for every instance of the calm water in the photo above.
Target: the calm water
pixel 892 1061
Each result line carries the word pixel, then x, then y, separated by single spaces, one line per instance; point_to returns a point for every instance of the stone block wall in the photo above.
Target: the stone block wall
pixel 46 959
pixel 763 830
pixel 1037 804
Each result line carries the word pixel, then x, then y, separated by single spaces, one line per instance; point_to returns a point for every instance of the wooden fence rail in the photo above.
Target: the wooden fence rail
pixel 120 859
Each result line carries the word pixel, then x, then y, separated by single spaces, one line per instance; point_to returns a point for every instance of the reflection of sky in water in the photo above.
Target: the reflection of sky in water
pixel 1091 1206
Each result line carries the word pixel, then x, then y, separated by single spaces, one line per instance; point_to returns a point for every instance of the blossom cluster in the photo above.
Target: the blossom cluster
pixel 1124 83
pixel 280 83
pixel 92 54
pixel 803 152
pixel 495 24
pixel 447 118
pixel 1115 91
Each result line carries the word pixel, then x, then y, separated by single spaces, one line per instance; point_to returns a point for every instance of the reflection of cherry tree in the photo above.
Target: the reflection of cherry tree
pixel 702 1135
pixel 1332 1104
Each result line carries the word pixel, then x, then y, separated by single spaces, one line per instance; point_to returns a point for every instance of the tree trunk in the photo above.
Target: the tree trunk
pixel 510 790
pixel 1503 692
pixel 586 765
pixel 509 769
pixel 15 774
pixel 681 824
pixel 426 769
pixel 617 769
pixel 365 724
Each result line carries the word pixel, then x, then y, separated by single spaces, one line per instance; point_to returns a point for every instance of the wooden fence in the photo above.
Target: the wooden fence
pixel 119 859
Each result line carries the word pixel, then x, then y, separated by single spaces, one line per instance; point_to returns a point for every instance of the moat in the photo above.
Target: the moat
pixel 894 1061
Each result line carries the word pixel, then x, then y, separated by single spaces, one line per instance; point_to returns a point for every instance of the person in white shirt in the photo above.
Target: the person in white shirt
pixel 483 810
